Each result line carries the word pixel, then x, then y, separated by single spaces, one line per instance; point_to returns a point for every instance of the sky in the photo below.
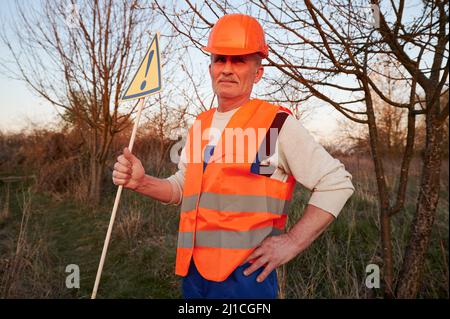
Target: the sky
pixel 21 108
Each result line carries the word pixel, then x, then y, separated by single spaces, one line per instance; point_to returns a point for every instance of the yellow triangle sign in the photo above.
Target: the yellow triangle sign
pixel 147 79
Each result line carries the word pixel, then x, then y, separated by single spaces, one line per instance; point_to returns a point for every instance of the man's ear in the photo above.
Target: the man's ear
pixel 259 74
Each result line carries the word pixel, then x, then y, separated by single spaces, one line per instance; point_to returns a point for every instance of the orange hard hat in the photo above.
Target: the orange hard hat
pixel 237 34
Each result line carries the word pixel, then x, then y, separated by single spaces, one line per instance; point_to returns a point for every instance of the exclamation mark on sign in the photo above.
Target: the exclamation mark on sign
pixel 149 61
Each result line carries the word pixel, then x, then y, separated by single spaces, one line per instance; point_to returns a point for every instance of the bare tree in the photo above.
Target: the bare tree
pixel 78 55
pixel 391 121
pixel 327 50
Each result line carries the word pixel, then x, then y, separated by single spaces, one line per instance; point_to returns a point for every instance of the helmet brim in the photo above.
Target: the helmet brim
pixel 231 51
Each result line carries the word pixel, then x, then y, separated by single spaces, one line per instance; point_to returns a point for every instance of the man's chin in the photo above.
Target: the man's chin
pixel 226 94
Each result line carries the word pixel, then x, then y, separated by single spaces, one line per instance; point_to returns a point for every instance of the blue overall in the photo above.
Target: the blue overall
pixel 236 286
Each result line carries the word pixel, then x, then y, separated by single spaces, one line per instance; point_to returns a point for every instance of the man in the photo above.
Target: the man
pixel 233 212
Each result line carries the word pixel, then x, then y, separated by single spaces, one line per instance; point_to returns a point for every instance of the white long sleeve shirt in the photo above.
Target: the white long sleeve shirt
pixel 298 154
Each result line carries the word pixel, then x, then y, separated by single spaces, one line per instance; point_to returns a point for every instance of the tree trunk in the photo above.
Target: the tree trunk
pixel 409 282
pixel 383 198
pixel 386 243
pixel 95 181
pixel 95 171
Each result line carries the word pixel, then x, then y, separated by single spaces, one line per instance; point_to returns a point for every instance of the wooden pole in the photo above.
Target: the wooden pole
pixel 116 204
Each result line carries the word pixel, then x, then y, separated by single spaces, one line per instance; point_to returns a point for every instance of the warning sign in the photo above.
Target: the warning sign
pixel 147 79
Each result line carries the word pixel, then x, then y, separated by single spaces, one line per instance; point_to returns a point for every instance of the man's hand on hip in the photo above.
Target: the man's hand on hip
pixel 274 251
pixel 278 250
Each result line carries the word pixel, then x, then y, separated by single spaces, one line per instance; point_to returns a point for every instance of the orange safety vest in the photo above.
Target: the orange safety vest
pixel 227 210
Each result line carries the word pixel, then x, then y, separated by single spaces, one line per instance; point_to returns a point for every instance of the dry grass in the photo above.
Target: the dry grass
pixel 26 267
pixel 4 205
pixel 334 266
pixel 130 223
pixel 39 235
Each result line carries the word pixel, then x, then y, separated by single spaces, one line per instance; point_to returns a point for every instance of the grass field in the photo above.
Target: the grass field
pixel 40 234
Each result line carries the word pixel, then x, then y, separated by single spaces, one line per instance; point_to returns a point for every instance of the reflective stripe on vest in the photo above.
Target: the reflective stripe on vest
pixel 234 203
pixel 226 239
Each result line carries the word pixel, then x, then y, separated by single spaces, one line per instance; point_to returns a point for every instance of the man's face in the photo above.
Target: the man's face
pixel 233 76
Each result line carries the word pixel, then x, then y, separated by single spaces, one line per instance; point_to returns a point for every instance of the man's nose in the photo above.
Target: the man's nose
pixel 228 68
